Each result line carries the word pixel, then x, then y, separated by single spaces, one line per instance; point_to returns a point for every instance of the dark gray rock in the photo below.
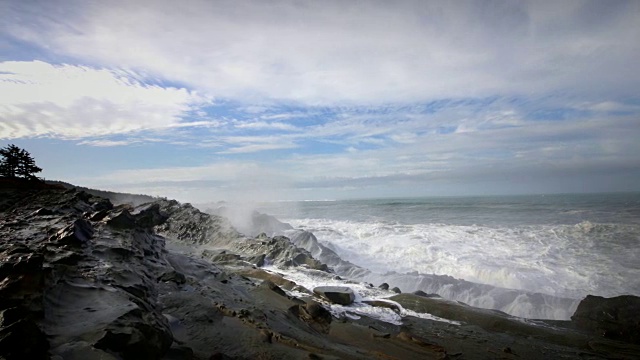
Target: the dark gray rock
pixel 76 234
pixel 149 215
pixel 424 294
pixel 396 290
pixel 308 241
pixel 384 286
pixel 314 314
pixel 336 294
pixel 136 342
pixel 174 276
pixel 615 318
pixel 121 220
pixel 23 339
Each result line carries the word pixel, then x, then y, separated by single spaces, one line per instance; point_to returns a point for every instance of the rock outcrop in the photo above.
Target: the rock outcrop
pixel 336 294
pixel 88 285
pixel 615 318
pixel 81 278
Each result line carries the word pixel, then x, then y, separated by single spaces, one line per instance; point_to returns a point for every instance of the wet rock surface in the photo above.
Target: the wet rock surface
pixel 615 318
pixel 336 294
pixel 81 278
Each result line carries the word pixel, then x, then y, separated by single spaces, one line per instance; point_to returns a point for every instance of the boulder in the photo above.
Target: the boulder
pixel 336 294
pixel 384 286
pixel 396 290
pixel 616 318
pixel 424 294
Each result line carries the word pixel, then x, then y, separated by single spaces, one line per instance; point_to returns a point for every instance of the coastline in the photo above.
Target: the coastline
pixel 86 279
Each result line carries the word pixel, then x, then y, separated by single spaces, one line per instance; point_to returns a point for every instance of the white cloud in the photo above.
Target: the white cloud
pixel 256 148
pixel 336 51
pixel 73 102
pixel 408 91
pixel 107 143
pixel 263 125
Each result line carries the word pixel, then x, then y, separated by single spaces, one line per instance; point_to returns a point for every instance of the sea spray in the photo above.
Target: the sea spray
pixel 528 256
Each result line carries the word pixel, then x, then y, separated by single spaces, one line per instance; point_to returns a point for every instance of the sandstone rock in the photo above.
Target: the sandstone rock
pixel 336 294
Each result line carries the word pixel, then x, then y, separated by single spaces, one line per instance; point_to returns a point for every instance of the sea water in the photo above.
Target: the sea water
pixel 534 256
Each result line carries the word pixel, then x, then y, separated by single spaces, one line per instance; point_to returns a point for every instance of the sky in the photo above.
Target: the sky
pixel 291 100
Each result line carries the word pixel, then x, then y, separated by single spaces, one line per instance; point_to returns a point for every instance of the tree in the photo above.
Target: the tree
pixel 17 162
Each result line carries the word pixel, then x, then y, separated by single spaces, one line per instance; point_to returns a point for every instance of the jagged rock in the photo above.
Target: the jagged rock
pixel 314 314
pixel 615 318
pixel 302 289
pixel 263 275
pixel 318 312
pixel 258 260
pixel 43 212
pixel 263 223
pixel 23 339
pixel 187 224
pixel 278 251
pixel 384 286
pixel 149 215
pixel 77 234
pixel 174 276
pixel 121 220
pixel 308 241
pixel 273 287
pixel 102 204
pixel 336 294
pixel 21 279
pixel 109 294
pixel 136 342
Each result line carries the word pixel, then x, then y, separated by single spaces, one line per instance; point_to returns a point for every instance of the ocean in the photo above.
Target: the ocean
pixel 533 256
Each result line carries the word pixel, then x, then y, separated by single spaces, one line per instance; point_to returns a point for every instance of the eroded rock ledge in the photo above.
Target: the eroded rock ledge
pixel 81 278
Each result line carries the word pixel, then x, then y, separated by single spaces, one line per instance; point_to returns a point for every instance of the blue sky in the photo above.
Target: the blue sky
pixel 255 100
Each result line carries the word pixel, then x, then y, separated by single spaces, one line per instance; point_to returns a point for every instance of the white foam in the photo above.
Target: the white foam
pixel 314 278
pixel 559 260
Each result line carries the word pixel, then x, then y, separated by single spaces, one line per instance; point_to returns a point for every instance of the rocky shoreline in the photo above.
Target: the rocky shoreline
pixel 81 278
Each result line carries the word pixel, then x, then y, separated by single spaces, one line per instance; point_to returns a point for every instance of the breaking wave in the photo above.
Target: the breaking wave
pixel 533 271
